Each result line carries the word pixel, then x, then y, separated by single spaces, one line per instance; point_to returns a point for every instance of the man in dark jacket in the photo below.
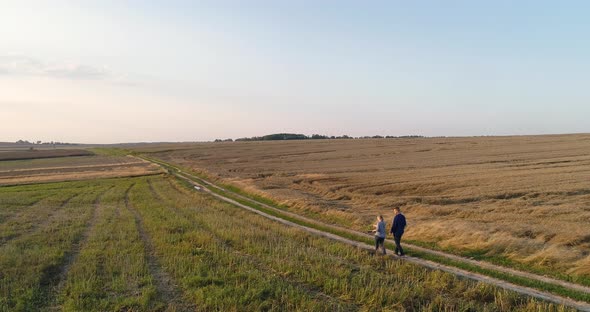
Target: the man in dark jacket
pixel 397 229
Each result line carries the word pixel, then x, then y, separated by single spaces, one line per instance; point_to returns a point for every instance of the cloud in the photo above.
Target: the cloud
pixel 26 66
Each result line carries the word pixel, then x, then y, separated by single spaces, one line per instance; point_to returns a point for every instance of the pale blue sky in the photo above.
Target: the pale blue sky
pixel 119 71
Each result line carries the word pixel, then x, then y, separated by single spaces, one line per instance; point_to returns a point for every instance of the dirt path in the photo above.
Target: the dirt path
pixel 167 291
pixel 582 306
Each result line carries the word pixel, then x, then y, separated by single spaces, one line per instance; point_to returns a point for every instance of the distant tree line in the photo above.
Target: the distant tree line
pixel 294 136
pixel 25 142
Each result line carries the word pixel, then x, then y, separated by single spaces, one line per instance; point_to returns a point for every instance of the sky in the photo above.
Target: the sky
pixel 146 71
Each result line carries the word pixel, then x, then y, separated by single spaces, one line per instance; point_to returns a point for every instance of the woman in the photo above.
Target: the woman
pixel 380 234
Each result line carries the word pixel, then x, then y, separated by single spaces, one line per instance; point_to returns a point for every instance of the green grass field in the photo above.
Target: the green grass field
pixel 150 244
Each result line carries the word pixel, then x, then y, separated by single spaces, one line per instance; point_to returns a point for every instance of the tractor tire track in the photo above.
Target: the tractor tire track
pixel 54 277
pixel 73 254
pixel 166 290
pixel 25 209
pixel 36 225
pixel 153 190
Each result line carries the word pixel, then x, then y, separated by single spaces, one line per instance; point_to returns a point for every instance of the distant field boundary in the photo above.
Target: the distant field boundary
pixel 36 154
pixel 69 169
pixel 542 287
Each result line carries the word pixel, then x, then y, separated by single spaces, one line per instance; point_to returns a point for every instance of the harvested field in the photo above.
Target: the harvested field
pixel 72 168
pixel 523 200
pixel 43 153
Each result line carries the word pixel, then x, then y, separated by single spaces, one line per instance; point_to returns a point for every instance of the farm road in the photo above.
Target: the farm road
pixel 582 306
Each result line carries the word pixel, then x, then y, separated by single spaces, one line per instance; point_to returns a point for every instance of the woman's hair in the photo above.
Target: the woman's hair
pixel 381 217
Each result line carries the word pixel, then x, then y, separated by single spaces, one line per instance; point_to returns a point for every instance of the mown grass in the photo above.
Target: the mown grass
pixel 13 202
pixel 111 273
pixel 31 263
pixel 22 219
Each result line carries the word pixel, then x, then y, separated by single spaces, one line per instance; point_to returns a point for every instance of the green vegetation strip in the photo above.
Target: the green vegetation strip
pixel 539 285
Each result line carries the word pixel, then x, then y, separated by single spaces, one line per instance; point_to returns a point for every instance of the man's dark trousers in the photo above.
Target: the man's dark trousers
pixel 398 247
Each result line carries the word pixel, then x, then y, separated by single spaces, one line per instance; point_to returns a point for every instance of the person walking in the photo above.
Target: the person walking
pixel 397 229
pixel 380 234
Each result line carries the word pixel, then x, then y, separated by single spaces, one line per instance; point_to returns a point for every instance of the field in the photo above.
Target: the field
pixel 72 168
pixel 111 232
pixel 519 201
pixel 45 153
pixel 150 244
pixel 25 147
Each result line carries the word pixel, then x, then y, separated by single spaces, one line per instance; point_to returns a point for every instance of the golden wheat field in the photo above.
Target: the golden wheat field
pixel 524 199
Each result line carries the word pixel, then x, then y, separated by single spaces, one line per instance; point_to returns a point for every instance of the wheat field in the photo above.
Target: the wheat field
pixel 523 199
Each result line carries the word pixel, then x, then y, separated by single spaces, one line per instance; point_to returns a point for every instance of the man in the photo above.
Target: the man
pixel 397 229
